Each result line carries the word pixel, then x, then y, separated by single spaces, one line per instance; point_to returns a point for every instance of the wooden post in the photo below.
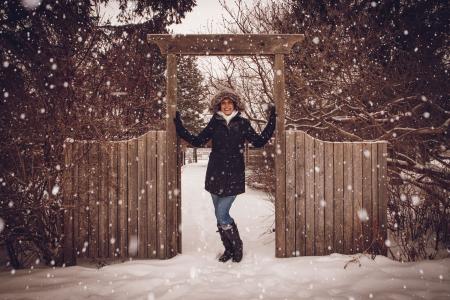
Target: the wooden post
pixel 172 177
pixel 280 159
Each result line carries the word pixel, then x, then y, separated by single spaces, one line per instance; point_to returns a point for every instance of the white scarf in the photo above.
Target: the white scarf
pixel 227 118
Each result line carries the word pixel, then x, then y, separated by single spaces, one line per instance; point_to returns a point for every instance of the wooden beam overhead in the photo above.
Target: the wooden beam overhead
pixel 225 44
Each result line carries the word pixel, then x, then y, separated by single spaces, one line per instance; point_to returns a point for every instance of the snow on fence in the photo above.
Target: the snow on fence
pixel 117 201
pixel 335 197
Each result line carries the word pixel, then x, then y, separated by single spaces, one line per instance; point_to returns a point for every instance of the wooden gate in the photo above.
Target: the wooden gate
pixel 335 197
pixel 117 199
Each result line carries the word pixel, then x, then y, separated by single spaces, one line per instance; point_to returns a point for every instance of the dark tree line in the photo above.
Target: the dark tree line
pixel 64 74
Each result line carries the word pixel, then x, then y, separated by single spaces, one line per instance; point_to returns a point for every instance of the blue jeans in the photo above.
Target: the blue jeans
pixel 222 207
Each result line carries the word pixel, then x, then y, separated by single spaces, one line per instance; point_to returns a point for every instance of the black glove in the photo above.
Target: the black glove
pixel 178 123
pixel 273 113
pixel 177 119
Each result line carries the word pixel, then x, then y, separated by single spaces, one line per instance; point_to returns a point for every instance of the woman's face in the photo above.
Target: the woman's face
pixel 226 106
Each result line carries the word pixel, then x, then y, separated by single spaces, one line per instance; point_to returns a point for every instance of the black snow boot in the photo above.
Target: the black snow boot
pixel 228 254
pixel 236 242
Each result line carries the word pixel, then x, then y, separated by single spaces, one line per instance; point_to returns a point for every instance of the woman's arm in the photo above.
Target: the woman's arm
pixel 195 140
pixel 260 140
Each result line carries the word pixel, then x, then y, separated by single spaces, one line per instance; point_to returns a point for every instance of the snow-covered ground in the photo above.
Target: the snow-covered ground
pixel 196 274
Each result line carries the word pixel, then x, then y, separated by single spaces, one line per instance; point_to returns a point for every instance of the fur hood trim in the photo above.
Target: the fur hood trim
pixel 226 93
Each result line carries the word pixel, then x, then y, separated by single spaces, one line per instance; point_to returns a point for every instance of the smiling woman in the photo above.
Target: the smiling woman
pixel 225 175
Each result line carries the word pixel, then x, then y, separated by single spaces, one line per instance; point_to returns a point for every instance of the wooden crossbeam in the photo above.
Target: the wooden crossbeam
pixel 225 44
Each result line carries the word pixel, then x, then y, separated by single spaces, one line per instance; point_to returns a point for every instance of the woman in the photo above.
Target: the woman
pixel 225 174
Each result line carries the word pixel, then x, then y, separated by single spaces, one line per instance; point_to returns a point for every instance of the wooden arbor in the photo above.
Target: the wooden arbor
pixel 330 197
pixel 276 45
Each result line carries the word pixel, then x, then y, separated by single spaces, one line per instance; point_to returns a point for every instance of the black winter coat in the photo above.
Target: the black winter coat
pixel 225 175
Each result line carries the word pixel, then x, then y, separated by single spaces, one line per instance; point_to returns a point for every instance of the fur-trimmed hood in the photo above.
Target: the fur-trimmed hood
pixel 226 93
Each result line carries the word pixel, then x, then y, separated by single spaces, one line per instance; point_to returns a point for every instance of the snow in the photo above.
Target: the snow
pixel 196 274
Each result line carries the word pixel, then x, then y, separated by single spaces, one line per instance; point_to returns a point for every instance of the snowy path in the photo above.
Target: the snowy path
pixel 196 274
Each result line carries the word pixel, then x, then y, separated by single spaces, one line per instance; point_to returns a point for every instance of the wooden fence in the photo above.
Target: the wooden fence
pixel 117 200
pixel 335 197
pixel 119 203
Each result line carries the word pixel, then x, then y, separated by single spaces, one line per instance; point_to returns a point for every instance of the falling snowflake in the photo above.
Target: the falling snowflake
pixel 363 215
pixel 366 153
pixel 387 243
pixel 30 4
pixel 316 40
pixel 55 190
pixel 133 245
pixel 2 225
pixel 415 200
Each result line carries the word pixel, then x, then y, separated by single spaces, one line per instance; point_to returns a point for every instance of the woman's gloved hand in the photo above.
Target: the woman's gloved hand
pixel 177 120
pixel 272 111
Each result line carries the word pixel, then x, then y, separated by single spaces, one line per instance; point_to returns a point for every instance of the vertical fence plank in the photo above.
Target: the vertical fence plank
pixel 338 192
pixel 374 187
pixel 142 198
pixel 290 194
pixel 319 180
pixel 103 200
pixel 357 196
pixel 123 199
pixel 382 192
pixel 348 198
pixel 329 199
pixel 152 167
pixel 366 194
pixel 309 194
pixel 301 195
pixel 113 199
pixel 68 198
pixel 161 196
pixel 93 199
pixel 132 197
pixel 280 158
